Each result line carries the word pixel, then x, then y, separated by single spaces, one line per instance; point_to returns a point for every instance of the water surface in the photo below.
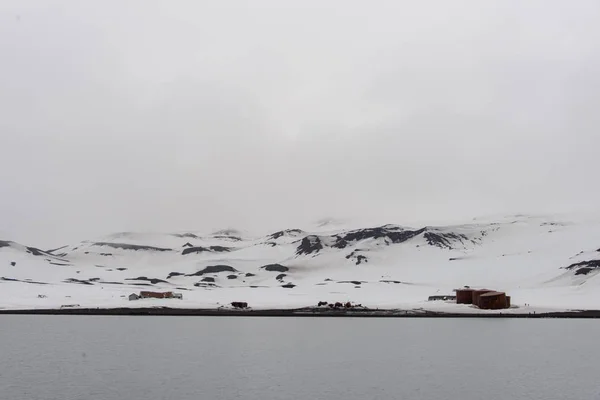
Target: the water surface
pixel 181 358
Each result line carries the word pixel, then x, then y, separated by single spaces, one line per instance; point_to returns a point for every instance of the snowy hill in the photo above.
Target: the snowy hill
pixel 546 262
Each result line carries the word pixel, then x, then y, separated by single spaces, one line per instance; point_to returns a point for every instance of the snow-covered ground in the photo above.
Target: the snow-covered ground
pixel 387 267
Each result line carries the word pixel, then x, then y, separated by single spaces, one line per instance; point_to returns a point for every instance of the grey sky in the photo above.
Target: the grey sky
pixel 176 115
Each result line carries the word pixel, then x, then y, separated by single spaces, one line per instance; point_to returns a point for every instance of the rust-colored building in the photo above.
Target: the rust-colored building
pixel 478 293
pixel 483 298
pixel 492 301
pixel 464 296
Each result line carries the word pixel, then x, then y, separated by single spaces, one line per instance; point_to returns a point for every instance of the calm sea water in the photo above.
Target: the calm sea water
pixel 180 358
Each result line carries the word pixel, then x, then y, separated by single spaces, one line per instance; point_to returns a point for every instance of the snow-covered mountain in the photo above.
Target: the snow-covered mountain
pixel 546 262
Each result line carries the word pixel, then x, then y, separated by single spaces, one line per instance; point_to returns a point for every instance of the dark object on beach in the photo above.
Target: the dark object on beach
pixel 13 263
pixel 239 304
pixel 322 303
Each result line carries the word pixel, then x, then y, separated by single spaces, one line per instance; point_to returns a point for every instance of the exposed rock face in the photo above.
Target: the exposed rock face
pixel 185 235
pixel 584 267
pixel 357 258
pixel 287 232
pixel 200 249
pixel 22 281
pixel 228 237
pixel 80 281
pixel 275 268
pixel 126 246
pixel 280 277
pixel 392 234
pixel 214 269
pixel 143 278
pixel 206 285
pixel 444 240
pixel 208 279
pixel 309 245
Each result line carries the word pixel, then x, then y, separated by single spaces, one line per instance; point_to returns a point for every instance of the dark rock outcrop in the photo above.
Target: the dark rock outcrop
pixel 52 251
pixel 444 240
pixel 239 304
pixel 200 249
pixel 153 281
pixel 309 245
pixel 249 274
pixel 287 232
pixel 197 250
pixel 172 274
pixel 185 235
pixel 357 258
pixel 206 285
pixel 228 237
pixel 232 276
pixel 80 281
pixel 220 249
pixel 208 279
pixel 391 233
pixel 584 267
pixel 280 277
pixel 61 264
pixel 214 269
pixel 275 268
pixel 22 281
pixel 288 286
pixel 126 246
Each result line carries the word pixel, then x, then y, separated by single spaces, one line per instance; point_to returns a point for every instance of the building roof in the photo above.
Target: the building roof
pixel 491 294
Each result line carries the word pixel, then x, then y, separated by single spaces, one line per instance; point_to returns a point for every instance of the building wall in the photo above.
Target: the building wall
pixel 492 301
pixel 477 294
pixel 464 296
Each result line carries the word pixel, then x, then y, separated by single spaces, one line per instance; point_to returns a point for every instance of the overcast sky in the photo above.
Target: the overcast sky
pixel 197 115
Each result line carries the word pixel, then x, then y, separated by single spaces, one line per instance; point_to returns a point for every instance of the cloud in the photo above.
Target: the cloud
pixel 156 116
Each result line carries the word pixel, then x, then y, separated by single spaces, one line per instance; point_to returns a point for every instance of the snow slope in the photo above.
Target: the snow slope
pixel 545 262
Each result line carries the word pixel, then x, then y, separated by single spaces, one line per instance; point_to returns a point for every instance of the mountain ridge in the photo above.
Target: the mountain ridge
pixel 539 260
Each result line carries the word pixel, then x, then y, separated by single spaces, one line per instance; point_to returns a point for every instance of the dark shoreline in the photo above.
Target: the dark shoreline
pixel 301 312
